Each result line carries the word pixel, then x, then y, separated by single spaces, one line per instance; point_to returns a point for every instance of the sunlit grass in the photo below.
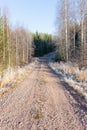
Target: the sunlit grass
pixel 11 76
pixel 75 77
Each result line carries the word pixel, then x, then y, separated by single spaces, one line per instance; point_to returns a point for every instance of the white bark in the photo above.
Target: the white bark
pixel 17 56
pixel 66 27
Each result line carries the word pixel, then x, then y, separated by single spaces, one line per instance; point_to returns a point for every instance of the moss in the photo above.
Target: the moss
pixel 39 116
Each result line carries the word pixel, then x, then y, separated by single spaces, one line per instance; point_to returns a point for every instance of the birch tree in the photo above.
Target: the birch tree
pixel 83 14
pixel 63 25
pixel 66 27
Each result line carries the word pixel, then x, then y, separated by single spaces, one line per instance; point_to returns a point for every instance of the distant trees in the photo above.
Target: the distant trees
pixel 43 44
pixel 72 30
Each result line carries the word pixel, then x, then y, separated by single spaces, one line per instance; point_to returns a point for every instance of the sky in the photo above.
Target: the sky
pixel 36 15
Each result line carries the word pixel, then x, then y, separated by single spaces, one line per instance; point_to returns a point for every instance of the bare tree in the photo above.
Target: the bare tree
pixel 83 14
pixel 63 24
pixel 17 53
pixel 66 27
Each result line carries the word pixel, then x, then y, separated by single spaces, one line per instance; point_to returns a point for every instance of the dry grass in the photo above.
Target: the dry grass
pixel 11 77
pixel 82 75
pixel 72 75
pixel 71 69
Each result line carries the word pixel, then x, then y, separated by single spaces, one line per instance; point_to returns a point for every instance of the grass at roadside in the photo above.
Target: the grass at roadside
pixel 13 77
pixel 71 74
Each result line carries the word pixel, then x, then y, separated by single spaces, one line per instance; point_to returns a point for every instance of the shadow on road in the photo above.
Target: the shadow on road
pixel 80 100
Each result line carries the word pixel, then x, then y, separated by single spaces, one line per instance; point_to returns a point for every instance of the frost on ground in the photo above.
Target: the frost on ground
pixel 72 75
pixel 10 77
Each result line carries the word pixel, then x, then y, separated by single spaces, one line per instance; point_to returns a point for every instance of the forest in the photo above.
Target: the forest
pixel 43 44
pixel 18 45
pixel 71 24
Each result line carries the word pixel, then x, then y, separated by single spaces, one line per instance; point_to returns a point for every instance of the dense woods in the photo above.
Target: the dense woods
pixel 72 31
pixel 43 44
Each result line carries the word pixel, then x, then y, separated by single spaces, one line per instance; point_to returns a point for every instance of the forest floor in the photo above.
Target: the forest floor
pixel 42 102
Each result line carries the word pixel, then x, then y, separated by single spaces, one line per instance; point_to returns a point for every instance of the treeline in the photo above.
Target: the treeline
pixel 15 44
pixel 43 44
pixel 72 31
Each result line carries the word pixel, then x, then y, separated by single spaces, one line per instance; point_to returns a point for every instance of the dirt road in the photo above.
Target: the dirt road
pixel 40 103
